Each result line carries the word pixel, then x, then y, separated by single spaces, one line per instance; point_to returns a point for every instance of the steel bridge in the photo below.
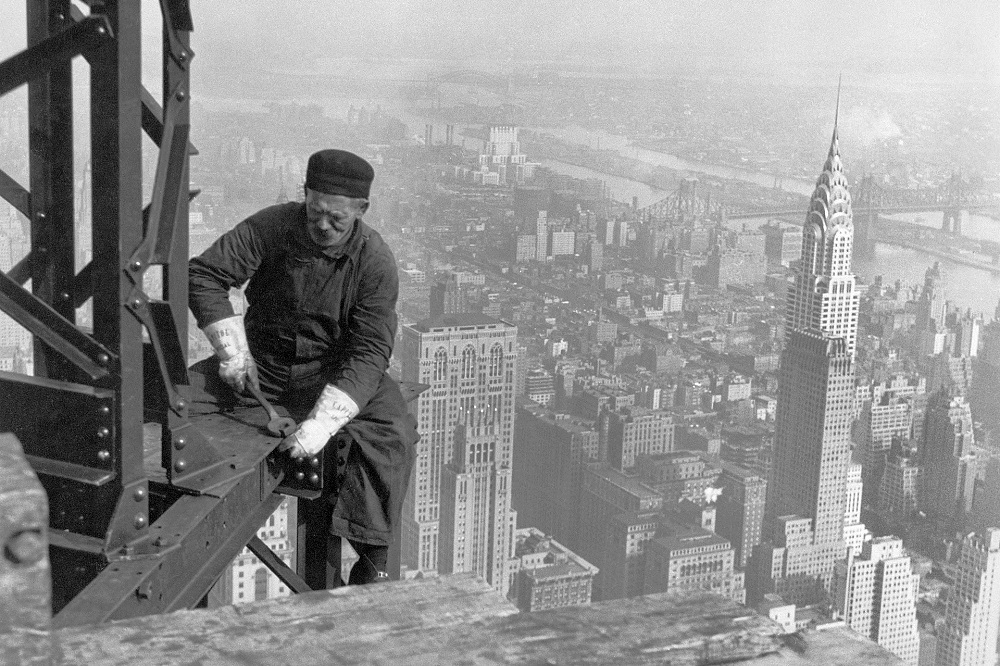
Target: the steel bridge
pixel 150 491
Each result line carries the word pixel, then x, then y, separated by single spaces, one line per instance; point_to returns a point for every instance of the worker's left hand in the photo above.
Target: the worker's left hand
pixel 307 440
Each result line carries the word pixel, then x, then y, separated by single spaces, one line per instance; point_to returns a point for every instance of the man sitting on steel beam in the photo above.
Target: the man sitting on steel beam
pixel 317 337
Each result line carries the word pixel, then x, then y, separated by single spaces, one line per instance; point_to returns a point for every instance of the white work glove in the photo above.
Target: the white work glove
pixel 229 340
pixel 333 409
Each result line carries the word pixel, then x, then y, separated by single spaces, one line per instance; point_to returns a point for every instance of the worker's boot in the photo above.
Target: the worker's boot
pixel 371 564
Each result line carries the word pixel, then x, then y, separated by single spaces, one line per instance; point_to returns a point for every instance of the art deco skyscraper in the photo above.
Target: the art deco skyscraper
pixel 469 361
pixel 477 522
pixel 973 614
pixel 804 515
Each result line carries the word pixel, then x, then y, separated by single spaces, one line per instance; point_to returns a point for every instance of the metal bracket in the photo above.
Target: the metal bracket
pixel 176 18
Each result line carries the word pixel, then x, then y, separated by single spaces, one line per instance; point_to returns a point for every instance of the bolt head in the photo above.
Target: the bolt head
pixel 314 461
pixel 104 455
pixel 314 479
pixel 136 265
pixel 181 95
pixel 180 443
pixel 136 302
pixel 25 547
pixel 103 432
pixel 140 521
pixel 299 476
pixel 180 465
pixel 139 494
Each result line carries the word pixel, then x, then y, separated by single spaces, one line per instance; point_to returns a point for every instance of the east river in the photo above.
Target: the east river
pixel 966 286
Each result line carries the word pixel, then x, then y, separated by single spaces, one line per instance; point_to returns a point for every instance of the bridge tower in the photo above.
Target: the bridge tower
pixel 870 198
pixel 954 197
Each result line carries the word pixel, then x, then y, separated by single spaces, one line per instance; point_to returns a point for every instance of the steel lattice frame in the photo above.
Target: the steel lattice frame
pixel 124 541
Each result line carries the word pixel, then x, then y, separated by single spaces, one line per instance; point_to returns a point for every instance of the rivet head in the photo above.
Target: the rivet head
pixel 103 432
pixel 181 95
pixel 26 547
pixel 39 215
pixel 103 410
pixel 140 521
pixel 314 462
pixel 180 443
pixel 101 30
pixel 103 359
pixel 314 478
pixel 64 296
pixel 300 475
pixel 181 404
pixel 139 494
pixel 136 265
pixel 136 302
pixel 180 465
pixel 104 455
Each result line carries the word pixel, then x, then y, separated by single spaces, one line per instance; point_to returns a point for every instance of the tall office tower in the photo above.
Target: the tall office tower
pixel 550 451
pixel 469 361
pixel 618 516
pixel 477 522
pixel 986 506
pixel 972 618
pixel 816 395
pixel 740 509
pixel 876 595
pixel 542 236
pixel 949 457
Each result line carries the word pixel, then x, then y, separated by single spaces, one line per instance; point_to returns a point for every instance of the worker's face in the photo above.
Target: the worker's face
pixel 330 217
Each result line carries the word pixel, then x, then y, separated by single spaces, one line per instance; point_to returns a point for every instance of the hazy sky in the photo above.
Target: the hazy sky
pixel 918 39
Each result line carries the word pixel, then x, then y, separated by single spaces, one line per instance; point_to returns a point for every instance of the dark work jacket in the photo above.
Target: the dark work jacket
pixel 317 316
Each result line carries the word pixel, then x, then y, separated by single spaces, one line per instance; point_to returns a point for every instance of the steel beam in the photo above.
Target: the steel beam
pixel 16 196
pixel 187 548
pixel 43 55
pixel 277 566
pixel 60 334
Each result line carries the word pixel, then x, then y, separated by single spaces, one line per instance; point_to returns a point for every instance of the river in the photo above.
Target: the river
pixel 966 286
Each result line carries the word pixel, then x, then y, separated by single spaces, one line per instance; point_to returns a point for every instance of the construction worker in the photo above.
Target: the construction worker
pixel 317 336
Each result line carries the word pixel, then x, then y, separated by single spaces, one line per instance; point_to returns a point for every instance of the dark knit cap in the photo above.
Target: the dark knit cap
pixel 339 172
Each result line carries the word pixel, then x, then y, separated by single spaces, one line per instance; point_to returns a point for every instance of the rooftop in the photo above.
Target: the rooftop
pixel 452 321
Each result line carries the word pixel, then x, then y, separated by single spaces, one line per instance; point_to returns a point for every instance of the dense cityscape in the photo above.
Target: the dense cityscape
pixel 698 359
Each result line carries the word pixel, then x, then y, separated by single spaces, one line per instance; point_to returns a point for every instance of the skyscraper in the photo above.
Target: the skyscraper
pixel 949 457
pixel 815 404
pixel 973 613
pixel 477 522
pixel 469 361
pixel 876 595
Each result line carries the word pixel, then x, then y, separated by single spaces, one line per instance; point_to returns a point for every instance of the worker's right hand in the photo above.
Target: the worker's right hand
pixel 229 340
pixel 238 370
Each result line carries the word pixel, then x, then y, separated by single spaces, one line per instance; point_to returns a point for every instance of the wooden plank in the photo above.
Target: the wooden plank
pixel 347 625
pixel 459 619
